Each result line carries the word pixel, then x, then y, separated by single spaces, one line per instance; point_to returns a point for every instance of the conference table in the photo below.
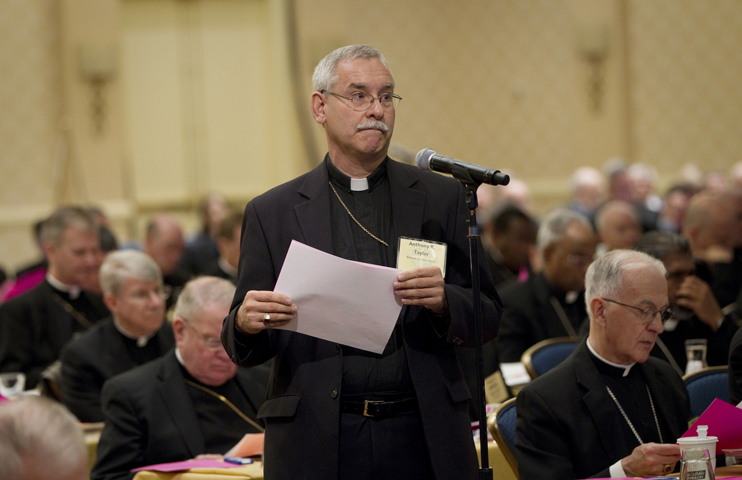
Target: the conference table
pixel 500 470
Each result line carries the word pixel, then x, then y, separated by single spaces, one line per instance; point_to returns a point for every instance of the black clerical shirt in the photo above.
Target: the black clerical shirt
pixel 365 373
pixel 633 396
pixel 221 426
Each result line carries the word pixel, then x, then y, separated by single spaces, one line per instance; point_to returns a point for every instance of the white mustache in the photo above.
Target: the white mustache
pixel 373 124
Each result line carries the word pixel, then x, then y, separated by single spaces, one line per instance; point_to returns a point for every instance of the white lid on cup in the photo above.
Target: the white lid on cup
pixel 700 439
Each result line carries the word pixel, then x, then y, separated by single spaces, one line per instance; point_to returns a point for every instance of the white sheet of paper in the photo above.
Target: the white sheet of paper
pixel 515 374
pixel 339 300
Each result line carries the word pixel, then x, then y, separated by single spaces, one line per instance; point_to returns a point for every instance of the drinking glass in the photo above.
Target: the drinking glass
pixel 695 351
pixel 12 383
pixel 695 464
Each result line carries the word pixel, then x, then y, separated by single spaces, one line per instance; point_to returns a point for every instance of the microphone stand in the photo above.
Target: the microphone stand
pixel 461 174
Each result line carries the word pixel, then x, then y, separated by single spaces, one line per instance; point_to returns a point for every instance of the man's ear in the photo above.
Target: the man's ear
pixel 179 327
pixel 49 250
pixel 111 301
pixel 597 309
pixel 318 107
pixel 548 252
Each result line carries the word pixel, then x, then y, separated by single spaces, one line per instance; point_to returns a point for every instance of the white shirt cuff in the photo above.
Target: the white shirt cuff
pixel 616 470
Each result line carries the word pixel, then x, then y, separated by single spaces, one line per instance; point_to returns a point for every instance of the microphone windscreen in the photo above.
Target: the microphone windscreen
pixel 422 159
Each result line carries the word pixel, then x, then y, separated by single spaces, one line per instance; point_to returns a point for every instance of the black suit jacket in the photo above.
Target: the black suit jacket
pixel 302 412
pixel 529 316
pixel 568 426
pixel 34 328
pixel 151 419
pixel 99 354
pixel 735 369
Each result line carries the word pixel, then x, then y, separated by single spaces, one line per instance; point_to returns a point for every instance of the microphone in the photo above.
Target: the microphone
pixel 426 159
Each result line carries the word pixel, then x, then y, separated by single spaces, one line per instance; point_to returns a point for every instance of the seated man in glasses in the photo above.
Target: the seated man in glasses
pixel 551 303
pixel 135 333
pixel 609 410
pixel 189 402
pixel 696 312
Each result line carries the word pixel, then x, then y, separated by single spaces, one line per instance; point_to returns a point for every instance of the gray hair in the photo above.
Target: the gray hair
pixel 200 292
pixel 325 73
pixel 40 432
pixel 604 277
pixel 63 218
pixel 122 265
pixel 554 224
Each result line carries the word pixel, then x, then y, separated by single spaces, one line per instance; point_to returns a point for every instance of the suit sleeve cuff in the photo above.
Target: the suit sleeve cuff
pixel 616 470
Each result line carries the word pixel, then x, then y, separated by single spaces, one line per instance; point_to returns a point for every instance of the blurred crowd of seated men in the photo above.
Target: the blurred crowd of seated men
pixel 87 323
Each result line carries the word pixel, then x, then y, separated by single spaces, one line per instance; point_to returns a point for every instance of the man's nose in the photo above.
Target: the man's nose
pixel 376 110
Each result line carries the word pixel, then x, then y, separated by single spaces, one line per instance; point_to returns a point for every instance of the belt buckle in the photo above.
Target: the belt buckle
pixel 365 407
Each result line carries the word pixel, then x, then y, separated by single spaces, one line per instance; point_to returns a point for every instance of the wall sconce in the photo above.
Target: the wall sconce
pixel 98 66
pixel 593 43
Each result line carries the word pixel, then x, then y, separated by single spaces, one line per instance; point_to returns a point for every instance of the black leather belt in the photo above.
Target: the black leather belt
pixel 378 408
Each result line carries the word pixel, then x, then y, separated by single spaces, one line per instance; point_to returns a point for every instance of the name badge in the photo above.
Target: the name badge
pixel 416 253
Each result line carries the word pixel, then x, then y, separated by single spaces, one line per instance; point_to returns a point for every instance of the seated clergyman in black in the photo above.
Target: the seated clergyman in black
pixel 135 334
pixel 36 325
pixel 609 410
pixel 190 402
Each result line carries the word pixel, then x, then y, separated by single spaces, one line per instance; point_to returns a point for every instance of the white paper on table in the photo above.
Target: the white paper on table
pixel 338 300
pixel 515 374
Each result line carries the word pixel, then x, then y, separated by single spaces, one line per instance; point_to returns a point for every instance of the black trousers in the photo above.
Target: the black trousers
pixel 390 448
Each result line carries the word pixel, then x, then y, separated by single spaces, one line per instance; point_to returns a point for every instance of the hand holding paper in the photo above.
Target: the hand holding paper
pixel 339 300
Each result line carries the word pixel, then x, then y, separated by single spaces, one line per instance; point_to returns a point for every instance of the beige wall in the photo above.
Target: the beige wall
pixel 203 94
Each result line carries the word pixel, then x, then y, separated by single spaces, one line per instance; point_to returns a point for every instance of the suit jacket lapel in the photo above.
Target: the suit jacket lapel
pixel 599 403
pixel 180 406
pixel 408 204
pixel 313 215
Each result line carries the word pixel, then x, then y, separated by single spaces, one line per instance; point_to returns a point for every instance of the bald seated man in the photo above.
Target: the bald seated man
pixel 618 225
pixel 40 440
pixel 709 225
pixel 609 410
pixel 164 243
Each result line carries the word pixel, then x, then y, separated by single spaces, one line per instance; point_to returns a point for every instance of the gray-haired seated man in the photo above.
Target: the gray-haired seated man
pixel 192 401
pixel 609 410
pixel 136 332
pixel 40 440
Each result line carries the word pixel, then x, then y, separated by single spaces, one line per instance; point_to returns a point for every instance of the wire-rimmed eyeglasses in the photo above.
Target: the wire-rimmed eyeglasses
pixel 647 313
pixel 360 101
pixel 212 343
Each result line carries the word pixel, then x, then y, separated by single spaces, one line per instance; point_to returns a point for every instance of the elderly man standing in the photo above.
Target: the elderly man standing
pixel 189 402
pixel 609 410
pixel 135 334
pixel 35 326
pixel 551 303
pixel 333 410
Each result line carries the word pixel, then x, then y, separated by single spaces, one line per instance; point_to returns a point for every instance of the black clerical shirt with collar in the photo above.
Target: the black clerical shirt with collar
pixel 366 373
pixel 221 426
pixel 629 386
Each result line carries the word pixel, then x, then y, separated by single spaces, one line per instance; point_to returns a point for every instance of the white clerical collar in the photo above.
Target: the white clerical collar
pixel 571 297
pixel 72 290
pixel 626 368
pixel 359 184
pixel 179 357
pixel 229 269
pixel 141 340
